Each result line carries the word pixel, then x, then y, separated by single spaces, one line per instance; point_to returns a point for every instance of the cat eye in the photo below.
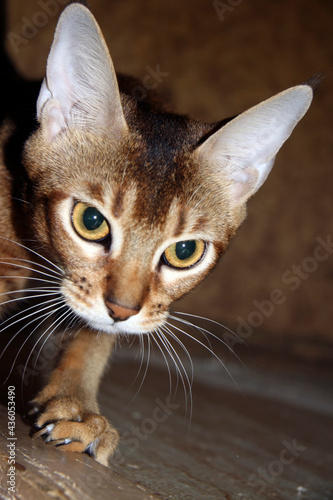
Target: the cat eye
pixel 184 254
pixel 89 223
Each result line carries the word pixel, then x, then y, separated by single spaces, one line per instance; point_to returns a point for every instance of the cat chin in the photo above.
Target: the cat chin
pixel 116 329
pixel 129 327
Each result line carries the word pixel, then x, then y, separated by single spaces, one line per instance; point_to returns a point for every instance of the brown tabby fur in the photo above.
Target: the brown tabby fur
pixel 150 174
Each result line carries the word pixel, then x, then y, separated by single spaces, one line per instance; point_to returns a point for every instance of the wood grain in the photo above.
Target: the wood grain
pixel 238 444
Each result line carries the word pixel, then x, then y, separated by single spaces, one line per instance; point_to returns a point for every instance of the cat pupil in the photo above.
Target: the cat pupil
pixel 184 249
pixel 92 219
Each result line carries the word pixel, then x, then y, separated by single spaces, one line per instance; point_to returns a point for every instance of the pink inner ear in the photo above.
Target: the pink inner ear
pixel 81 79
pixel 242 185
pixel 252 139
pixel 54 119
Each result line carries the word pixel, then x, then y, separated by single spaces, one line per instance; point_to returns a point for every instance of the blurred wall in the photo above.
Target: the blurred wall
pixel 219 58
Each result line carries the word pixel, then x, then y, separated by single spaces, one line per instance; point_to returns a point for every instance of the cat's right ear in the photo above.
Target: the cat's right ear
pixel 80 88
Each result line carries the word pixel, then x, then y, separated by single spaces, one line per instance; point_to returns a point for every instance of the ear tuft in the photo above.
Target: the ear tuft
pixel 80 88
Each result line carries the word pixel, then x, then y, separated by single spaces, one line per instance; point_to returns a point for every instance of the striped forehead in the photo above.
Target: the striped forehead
pixel 150 199
pixel 135 209
pixel 167 199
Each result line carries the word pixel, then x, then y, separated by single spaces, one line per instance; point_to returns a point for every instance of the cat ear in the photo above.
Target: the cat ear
pixel 80 88
pixel 243 151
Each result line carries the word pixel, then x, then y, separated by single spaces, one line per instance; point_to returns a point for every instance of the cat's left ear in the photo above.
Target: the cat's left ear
pixel 242 153
pixel 80 88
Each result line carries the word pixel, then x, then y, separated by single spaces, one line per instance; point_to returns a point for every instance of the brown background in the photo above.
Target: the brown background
pixel 219 65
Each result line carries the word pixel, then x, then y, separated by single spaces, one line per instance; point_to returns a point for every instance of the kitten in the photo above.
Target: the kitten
pixel 131 205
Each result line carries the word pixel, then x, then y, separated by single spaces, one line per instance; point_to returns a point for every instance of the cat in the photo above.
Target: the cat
pixel 129 206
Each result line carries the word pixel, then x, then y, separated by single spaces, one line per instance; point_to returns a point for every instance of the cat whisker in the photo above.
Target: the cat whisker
pixel 131 338
pixel 146 367
pixel 211 321
pixel 75 332
pixel 38 289
pixel 61 272
pixel 183 347
pixel 11 261
pixel 204 332
pixel 55 325
pixel 24 311
pixel 141 351
pixel 195 327
pixel 181 370
pixel 71 324
pixel 179 367
pixel 208 349
pixel 165 358
pixel 42 280
pixel 21 200
pixel 162 340
pixel 46 316
pixel 11 301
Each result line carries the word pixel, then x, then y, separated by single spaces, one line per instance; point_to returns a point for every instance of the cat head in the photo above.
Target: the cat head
pixel 136 205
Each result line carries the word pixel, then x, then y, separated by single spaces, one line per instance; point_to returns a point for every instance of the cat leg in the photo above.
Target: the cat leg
pixel 68 413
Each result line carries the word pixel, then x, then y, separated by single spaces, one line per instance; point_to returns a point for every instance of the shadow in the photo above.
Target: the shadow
pixel 19 95
pixel 17 368
pixel 18 105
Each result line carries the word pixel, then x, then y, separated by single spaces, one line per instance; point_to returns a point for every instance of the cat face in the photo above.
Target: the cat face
pixel 125 229
pixel 134 204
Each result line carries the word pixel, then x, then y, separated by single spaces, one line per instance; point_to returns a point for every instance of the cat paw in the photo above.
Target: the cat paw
pixel 63 422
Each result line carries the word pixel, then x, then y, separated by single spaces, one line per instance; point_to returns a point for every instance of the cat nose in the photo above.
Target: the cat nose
pixel 120 313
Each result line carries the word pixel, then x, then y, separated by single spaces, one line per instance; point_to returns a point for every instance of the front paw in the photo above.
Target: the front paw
pixel 64 423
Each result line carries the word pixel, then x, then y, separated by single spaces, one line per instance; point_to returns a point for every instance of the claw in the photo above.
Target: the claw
pixel 38 434
pixel 33 411
pixel 45 430
pixel 65 424
pixel 59 442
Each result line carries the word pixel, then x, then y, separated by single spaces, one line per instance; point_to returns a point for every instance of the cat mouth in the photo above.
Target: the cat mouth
pixel 133 325
pixel 112 327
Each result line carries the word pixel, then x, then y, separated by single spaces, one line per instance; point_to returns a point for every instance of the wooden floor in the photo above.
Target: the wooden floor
pixel 270 437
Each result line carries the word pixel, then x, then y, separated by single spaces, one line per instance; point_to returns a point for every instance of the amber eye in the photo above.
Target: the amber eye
pixel 184 254
pixel 89 223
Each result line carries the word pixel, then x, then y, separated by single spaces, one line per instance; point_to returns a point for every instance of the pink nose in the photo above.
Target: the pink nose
pixel 120 313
